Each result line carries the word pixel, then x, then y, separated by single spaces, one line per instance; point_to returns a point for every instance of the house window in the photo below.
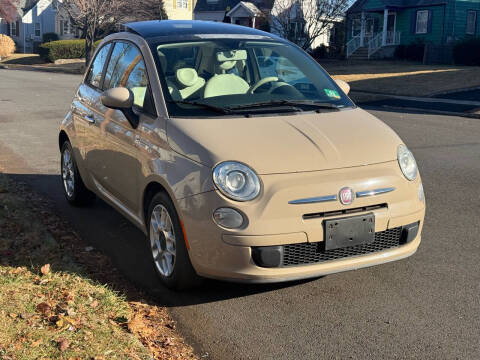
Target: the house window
pixel 66 27
pixel 356 27
pixel 422 22
pixel 296 30
pixel 369 27
pixel 14 29
pixel 182 4
pixel 471 22
pixel 37 29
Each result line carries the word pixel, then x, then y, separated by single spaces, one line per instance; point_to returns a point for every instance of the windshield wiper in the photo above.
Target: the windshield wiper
pixel 218 109
pixel 292 103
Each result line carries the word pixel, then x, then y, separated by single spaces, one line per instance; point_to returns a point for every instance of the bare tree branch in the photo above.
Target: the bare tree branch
pixel 304 21
pixel 8 10
pixel 96 17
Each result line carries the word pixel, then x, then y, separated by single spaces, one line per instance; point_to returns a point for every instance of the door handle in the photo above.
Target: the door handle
pixel 90 118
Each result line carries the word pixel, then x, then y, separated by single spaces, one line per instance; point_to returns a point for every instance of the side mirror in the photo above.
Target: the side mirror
pixel 121 98
pixel 343 85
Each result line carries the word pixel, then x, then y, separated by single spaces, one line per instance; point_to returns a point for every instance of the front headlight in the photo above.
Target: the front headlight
pixel 236 181
pixel 407 162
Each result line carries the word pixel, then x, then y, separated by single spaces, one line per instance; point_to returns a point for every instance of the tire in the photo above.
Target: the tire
pixel 73 187
pixel 167 245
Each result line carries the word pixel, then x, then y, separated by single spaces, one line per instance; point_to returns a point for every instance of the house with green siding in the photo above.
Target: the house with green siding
pixel 376 27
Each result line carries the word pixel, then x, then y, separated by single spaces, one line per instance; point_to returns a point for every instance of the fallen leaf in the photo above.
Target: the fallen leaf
pixel 45 269
pixel 43 308
pixel 89 248
pixel 36 343
pixel 168 342
pixel 71 312
pixel 63 344
pixel 13 315
pixel 59 323
pixel 94 304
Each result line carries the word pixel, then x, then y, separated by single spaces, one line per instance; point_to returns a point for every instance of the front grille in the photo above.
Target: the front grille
pixel 310 253
pixel 344 211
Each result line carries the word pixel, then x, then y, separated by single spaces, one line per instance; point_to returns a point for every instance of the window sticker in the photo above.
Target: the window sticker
pixel 332 93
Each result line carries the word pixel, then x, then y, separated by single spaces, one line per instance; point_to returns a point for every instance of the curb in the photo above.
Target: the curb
pixel 454 91
pixel 42 69
pixel 426 111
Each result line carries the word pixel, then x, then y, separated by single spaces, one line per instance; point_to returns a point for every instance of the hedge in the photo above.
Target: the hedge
pixel 63 49
pixel 467 52
pixel 412 52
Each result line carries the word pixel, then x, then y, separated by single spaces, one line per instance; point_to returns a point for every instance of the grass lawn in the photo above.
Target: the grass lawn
pixel 53 305
pixel 403 78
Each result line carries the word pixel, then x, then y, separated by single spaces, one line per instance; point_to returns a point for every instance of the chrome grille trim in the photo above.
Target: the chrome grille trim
pixel 313 200
pixel 374 192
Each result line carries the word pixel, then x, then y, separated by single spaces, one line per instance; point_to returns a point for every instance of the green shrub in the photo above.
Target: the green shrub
pixel 64 49
pixel 413 52
pixel 320 52
pixel 48 37
pixel 467 52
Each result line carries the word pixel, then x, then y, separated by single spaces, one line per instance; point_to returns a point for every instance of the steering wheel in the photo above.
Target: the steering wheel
pixel 262 82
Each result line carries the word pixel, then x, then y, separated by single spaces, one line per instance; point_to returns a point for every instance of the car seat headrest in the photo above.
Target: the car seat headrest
pixel 227 65
pixel 187 76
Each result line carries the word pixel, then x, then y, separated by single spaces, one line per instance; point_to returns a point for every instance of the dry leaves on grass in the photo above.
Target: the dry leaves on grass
pixel 157 332
pixel 45 269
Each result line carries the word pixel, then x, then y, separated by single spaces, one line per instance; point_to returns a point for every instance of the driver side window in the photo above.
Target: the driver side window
pixel 127 69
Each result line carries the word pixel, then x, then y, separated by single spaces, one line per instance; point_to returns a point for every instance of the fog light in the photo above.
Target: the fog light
pixel 421 194
pixel 228 217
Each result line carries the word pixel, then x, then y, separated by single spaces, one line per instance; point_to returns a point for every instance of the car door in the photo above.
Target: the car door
pixel 116 162
pixel 86 101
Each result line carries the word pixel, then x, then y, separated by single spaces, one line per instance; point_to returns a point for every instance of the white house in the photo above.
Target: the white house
pixel 35 18
pixel 269 15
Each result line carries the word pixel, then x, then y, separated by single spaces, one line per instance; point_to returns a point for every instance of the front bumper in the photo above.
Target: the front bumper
pixel 230 255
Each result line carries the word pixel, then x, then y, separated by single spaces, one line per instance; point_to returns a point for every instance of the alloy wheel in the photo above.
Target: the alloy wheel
pixel 68 173
pixel 162 240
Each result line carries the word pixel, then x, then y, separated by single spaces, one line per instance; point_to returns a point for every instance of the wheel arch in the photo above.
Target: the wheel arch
pixel 62 138
pixel 152 188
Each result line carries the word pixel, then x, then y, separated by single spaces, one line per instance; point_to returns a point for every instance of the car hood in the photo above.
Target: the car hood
pixel 286 143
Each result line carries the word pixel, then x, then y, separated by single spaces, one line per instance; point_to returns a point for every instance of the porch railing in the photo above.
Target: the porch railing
pixel 393 38
pixel 375 44
pixel 353 45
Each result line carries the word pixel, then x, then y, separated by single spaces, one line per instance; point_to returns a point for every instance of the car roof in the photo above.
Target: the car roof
pixel 188 28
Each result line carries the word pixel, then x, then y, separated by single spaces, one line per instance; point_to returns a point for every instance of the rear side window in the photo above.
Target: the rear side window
pixel 127 69
pixel 94 76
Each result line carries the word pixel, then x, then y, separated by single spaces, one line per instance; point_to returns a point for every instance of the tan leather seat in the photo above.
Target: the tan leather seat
pixel 188 82
pixel 225 84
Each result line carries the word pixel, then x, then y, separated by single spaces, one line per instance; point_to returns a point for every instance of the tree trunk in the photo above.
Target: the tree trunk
pixel 88 49
pixel 89 41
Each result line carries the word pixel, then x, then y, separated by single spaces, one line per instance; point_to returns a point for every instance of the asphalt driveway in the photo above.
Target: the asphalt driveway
pixel 426 306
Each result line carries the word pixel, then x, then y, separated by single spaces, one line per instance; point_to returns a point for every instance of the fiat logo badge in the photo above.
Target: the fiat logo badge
pixel 346 196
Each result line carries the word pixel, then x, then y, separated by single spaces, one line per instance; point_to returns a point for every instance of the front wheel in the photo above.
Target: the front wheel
pixel 73 187
pixel 167 245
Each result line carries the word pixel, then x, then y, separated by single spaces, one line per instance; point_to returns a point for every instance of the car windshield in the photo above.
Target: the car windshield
pixel 232 76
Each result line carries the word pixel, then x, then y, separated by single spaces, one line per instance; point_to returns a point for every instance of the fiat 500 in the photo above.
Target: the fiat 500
pixel 238 156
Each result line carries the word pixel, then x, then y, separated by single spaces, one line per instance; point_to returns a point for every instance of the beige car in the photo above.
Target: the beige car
pixel 238 156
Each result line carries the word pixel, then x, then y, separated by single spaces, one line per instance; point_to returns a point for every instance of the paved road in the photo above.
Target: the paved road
pixel 427 306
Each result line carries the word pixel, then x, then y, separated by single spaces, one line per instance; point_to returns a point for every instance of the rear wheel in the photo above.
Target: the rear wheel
pixel 167 245
pixel 73 187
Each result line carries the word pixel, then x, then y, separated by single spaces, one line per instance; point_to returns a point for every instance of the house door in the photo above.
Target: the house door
pixel 391 20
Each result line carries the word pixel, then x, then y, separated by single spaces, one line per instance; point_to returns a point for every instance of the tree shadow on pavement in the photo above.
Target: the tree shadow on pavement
pixel 104 229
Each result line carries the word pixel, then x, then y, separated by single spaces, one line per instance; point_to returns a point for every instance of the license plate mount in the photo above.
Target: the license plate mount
pixel 349 231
